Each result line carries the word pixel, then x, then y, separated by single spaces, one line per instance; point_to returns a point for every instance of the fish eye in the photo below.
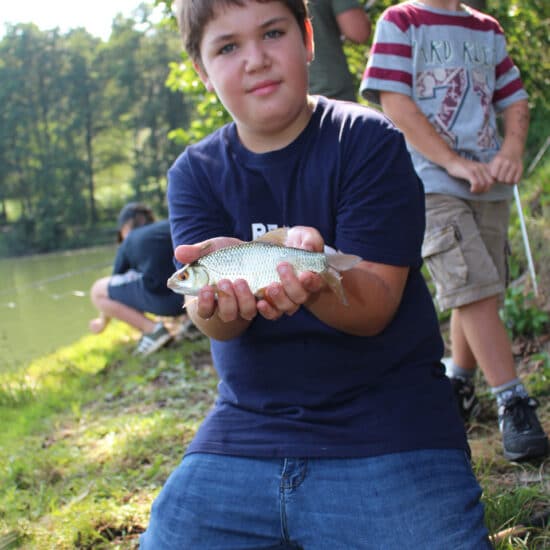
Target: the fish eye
pixel 184 276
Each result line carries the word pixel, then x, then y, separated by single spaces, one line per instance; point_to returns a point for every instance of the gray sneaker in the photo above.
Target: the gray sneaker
pixel 522 435
pixel 149 343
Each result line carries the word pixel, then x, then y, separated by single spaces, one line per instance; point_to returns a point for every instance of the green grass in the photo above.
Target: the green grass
pixel 89 434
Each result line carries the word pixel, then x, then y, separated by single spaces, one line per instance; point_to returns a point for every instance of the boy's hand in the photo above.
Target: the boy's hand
pixel 234 300
pixel 506 168
pixel 308 238
pixel 477 173
pixel 286 297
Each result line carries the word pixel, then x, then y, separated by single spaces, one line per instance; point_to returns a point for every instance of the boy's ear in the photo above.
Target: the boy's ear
pixel 203 76
pixel 308 39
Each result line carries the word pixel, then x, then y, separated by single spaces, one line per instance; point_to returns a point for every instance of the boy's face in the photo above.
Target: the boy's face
pixel 255 59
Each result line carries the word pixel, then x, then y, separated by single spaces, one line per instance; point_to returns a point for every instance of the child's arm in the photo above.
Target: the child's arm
pixel 507 165
pixel 355 25
pixel 373 292
pixel 424 138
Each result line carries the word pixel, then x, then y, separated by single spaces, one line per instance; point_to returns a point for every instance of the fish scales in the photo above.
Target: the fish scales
pixel 257 263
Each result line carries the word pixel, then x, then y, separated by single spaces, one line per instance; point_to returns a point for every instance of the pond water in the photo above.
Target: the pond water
pixel 45 301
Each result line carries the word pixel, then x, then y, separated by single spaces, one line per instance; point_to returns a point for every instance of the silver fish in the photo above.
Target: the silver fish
pixel 256 262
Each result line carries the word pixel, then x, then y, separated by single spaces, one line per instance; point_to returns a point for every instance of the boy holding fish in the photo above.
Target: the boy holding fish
pixel 335 426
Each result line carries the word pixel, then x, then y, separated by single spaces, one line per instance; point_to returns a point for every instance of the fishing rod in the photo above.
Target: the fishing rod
pixel 526 241
pixel 521 216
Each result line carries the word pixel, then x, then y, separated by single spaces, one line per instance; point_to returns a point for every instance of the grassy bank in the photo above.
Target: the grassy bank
pixel 89 435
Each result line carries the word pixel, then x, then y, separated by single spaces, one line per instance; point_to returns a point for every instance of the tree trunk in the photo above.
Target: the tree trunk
pixel 90 162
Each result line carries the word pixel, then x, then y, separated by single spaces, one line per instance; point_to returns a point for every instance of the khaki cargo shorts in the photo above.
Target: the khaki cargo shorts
pixel 466 249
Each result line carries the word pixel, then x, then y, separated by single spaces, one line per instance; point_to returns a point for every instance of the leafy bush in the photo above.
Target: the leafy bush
pixel 520 317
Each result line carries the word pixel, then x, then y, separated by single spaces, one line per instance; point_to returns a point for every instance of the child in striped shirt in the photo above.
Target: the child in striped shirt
pixel 440 70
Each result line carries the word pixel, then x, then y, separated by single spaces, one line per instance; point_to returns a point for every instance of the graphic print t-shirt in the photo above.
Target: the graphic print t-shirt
pixel 455 66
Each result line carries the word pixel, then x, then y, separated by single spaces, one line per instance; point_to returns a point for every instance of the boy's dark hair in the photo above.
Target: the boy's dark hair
pixel 194 15
pixel 136 213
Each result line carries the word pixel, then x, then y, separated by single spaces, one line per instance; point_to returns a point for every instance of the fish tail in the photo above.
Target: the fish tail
pixel 334 282
pixel 336 263
pixel 342 262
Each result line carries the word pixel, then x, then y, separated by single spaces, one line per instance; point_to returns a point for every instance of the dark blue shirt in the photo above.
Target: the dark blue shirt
pixel 295 386
pixel 148 249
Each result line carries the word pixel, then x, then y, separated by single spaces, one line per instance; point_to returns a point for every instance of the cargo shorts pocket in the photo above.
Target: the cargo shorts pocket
pixel 444 258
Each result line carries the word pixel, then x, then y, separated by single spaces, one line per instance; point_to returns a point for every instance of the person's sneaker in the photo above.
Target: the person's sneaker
pixel 466 399
pixel 149 343
pixel 522 435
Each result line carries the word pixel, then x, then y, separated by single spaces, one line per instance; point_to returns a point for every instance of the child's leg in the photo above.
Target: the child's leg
pixel 419 499
pixel 465 250
pixel 479 334
pixel 111 300
pixel 462 371
pixel 216 502
pixel 98 291
pixel 461 352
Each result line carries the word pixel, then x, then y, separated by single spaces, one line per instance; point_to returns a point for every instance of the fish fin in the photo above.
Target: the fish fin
pixel 334 282
pixel 342 262
pixel 275 236
pixel 261 294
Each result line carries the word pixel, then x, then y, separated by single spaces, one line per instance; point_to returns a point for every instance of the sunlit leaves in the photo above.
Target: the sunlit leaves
pixel 209 113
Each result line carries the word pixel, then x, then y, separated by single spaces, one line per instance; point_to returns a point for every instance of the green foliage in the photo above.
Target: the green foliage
pixel 73 110
pixel 520 316
pixel 538 379
pixel 525 23
pixel 210 114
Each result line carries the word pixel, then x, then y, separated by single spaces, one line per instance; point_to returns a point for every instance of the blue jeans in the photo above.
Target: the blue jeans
pixel 422 499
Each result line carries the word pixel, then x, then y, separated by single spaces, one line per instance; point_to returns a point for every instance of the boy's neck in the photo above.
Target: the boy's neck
pixel 450 5
pixel 274 141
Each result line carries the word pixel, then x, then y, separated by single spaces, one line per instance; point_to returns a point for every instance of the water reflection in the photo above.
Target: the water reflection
pixel 44 301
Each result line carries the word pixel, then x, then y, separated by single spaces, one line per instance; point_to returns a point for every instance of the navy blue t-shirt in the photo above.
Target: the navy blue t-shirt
pixel 295 386
pixel 148 249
